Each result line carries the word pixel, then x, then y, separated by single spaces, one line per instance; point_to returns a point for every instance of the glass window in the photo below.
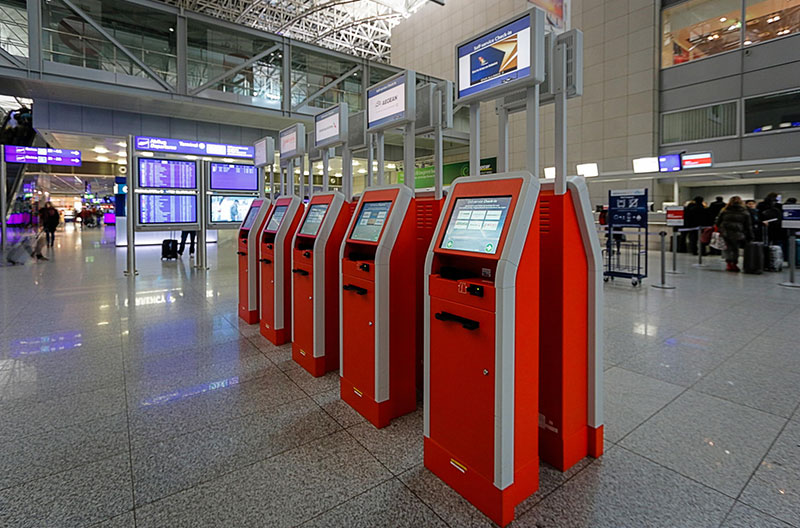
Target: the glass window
pixel 772 112
pixel 769 19
pixel 708 122
pixel 699 28
pixel 14 27
pixel 312 71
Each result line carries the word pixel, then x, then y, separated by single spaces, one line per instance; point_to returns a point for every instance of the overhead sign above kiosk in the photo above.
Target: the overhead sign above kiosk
pixel 392 103
pixel 292 141
pixel 330 126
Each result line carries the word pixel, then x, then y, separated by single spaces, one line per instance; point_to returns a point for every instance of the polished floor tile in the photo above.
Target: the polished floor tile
pixel 743 516
pixel 398 446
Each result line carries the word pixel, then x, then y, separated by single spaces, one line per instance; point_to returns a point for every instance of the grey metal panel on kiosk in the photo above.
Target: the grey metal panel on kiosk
pixel 278 245
pixel 252 252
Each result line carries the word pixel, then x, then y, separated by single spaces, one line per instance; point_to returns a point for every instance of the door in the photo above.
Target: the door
pixel 358 333
pixel 303 308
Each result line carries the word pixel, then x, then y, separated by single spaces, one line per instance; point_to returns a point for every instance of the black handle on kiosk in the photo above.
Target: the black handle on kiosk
pixel 241 253
pixel 300 271
pixel 469 324
pixel 354 288
pixel 265 261
pixel 307 254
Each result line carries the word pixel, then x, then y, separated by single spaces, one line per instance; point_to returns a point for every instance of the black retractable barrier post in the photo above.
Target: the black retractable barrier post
pixel 674 270
pixel 700 263
pixel 663 285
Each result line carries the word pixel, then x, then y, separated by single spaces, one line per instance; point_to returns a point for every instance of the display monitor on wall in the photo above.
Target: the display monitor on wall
pixel 370 221
pixel 229 209
pixel 476 224
pixel 250 219
pixel 392 102
pixel 233 177
pixel 314 217
pixel 167 174
pixel 669 163
pixel 330 126
pixel 277 217
pixel 167 209
pixel 503 59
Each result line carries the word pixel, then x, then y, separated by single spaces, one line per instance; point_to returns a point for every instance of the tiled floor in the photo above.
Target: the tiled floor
pixel 146 403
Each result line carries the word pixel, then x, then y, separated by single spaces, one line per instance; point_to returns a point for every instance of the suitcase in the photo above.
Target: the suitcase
pixel 19 254
pixel 169 249
pixel 773 260
pixel 753 261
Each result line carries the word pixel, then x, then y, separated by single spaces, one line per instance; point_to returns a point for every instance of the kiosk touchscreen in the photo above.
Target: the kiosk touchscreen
pixel 379 305
pixel 315 283
pixel 481 343
pixel 276 264
pixel 247 250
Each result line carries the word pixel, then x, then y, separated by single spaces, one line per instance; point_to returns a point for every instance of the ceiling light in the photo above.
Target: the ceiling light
pixel 122 161
pixel 338 174
pixel 645 165
pixel 305 172
pixel 227 160
pixel 191 157
pixel 122 153
pixel 391 166
pixel 362 171
pixel 102 158
pixel 723 19
pixel 355 163
pixel 587 170
pixel 297 171
pixel 550 173
pixel 206 159
pixel 121 144
pixel 146 154
pixel 100 149
pixel 748 42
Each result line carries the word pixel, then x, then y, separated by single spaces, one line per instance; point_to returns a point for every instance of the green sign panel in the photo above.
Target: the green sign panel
pixel 424 176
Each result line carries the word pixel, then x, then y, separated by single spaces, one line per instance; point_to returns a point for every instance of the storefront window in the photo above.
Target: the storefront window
pixel 769 19
pixel 699 28
pixel 772 112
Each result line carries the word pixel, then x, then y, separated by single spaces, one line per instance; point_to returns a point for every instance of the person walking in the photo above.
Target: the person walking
pixel 736 227
pixel 695 216
pixel 49 218
pixel 184 234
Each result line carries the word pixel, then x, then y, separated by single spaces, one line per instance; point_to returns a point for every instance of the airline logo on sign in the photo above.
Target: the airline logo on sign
pixel 697 161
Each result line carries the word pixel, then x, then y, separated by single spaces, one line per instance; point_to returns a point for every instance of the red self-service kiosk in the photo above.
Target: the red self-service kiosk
pixel 248 259
pixel 315 283
pixel 276 265
pixel 482 343
pixel 379 298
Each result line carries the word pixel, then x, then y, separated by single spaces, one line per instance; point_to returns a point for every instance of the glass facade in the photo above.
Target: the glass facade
pixel 769 19
pixel 14 27
pixel 708 122
pixel 775 112
pixel 312 71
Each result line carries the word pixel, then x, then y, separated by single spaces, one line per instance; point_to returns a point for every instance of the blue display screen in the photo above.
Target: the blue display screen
pixel 370 221
pixel 167 209
pixel 476 224
pixel 669 163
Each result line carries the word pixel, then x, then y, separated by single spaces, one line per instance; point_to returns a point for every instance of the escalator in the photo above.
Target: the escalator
pixel 17 129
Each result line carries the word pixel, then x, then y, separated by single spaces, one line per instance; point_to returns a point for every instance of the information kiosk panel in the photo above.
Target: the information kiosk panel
pixel 379 305
pixel 315 283
pixel 481 350
pixel 247 250
pixel 276 263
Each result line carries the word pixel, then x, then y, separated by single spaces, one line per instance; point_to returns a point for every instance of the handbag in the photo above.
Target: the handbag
pixel 717 242
pixel 705 235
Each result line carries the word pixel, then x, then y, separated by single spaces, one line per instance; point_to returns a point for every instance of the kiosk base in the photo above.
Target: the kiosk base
pixel 378 414
pixel 248 316
pixel 276 337
pixel 316 366
pixel 495 503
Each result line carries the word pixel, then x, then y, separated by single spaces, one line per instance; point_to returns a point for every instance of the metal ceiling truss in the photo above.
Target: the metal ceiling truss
pixel 356 27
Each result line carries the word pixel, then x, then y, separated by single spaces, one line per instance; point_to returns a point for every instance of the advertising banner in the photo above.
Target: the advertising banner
pixel 697 161
pixel 424 176
pixel 555 12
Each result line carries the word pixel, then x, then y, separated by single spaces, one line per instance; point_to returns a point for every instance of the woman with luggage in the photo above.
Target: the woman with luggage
pixel 736 227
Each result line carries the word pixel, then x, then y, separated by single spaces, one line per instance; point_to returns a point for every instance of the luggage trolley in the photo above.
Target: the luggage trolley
pixel 626 257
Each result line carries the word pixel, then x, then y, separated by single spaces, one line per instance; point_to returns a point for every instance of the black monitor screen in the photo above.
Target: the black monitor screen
pixel 167 174
pixel 314 217
pixel 277 217
pixel 250 219
pixel 370 221
pixel 167 209
pixel 477 224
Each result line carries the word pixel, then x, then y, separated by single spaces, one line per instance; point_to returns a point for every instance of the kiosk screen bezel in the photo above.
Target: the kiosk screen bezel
pixel 378 206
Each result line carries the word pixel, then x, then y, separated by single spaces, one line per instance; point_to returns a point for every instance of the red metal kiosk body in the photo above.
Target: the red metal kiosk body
pixel 276 265
pixel 571 372
pixel 482 343
pixel 315 283
pixel 379 305
pixel 247 249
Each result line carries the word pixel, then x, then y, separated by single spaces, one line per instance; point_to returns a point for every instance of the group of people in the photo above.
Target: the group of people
pixel 90 217
pixel 738 222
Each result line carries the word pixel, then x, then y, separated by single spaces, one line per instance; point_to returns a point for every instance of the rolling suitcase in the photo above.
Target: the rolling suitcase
pixel 20 254
pixel 753 261
pixel 169 249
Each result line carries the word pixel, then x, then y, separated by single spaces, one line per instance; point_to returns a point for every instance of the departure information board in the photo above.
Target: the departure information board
pixel 167 209
pixel 277 217
pixel 370 221
pixel 314 217
pixel 167 174
pixel 233 177
pixel 477 224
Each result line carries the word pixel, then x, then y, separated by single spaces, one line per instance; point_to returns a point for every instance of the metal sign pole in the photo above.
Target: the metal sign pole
pixel 560 78
pixel 271 181
pixel 438 148
pixel 201 261
pixel 3 196
pixel 302 184
pixel 663 285
pixel 131 208
pixel 409 156
pixel 381 176
pixel 474 139
pixel 532 130
pixel 502 138
pixel 325 170
pixel 370 159
pixel 310 179
pixel 347 173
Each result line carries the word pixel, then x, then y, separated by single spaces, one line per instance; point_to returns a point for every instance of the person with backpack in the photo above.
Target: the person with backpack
pixel 736 228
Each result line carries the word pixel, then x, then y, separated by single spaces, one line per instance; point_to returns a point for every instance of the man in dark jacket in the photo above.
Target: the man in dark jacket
pixel 49 219
pixel 713 211
pixel 694 215
pixel 735 226
pixel 770 211
pixel 755 219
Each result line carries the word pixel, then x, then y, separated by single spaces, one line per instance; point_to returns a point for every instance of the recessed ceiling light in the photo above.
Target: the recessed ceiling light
pixel 227 160
pixel 723 19
pixel 100 149
pixel 102 158
pixel 146 154
pixel 122 161
pixel 122 153
pixel 122 144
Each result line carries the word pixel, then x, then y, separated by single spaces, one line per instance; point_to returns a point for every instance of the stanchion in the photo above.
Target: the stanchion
pixel 663 285
pixel 700 263
pixel 674 270
pixel 792 263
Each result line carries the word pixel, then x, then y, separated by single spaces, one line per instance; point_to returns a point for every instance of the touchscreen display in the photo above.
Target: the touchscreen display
pixel 476 224
pixel 370 221
pixel 229 209
pixel 250 219
pixel 314 217
pixel 277 217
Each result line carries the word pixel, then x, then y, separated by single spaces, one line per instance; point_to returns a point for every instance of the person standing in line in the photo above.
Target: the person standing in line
pixel 49 218
pixel 695 216
pixel 184 234
pixel 755 219
pixel 736 227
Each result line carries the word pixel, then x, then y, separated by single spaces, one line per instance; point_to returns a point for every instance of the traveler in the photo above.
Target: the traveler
pixel 736 228
pixel 791 201
pixel 695 216
pixel 769 211
pixel 184 234
pixel 714 208
pixel 755 220
pixel 49 218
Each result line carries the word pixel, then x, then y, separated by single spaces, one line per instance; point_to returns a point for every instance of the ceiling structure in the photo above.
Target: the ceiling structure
pixel 357 27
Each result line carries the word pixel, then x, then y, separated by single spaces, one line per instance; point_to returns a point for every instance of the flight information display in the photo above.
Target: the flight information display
pixel 314 218
pixel 477 224
pixel 167 174
pixel 277 217
pixel 233 177
pixel 370 221
pixel 167 209
pixel 250 219
pixel 229 209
